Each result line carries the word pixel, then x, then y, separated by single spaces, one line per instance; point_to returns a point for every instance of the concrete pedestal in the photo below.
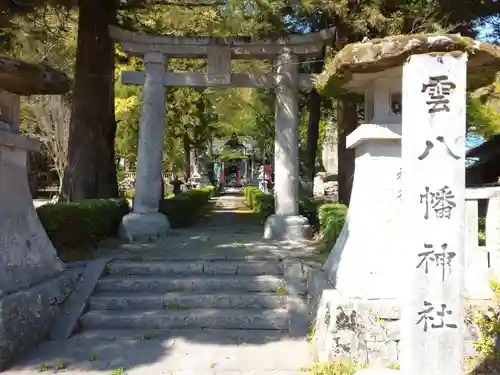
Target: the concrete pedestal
pixel 144 227
pixel 359 285
pixel 32 279
pixel 361 264
pixel 278 227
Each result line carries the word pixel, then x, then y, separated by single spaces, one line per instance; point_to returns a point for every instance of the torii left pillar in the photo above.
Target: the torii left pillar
pixel 286 223
pixel 145 222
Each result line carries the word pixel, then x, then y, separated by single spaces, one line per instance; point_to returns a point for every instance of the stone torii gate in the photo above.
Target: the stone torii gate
pixel 145 221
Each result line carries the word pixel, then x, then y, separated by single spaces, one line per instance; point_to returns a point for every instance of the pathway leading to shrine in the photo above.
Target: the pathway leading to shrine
pixel 213 299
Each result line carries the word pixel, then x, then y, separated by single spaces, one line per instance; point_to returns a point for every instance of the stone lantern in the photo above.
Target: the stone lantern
pixel 32 278
pixel 360 289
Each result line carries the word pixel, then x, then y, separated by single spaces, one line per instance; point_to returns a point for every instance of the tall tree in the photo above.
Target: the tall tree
pixel 91 170
pixel 356 19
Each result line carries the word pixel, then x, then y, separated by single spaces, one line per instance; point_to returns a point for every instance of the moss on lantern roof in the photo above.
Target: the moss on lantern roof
pixel 377 55
pixel 23 78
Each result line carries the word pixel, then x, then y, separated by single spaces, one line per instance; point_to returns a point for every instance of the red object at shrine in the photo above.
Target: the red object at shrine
pixel 267 171
pixel 238 176
pixel 221 174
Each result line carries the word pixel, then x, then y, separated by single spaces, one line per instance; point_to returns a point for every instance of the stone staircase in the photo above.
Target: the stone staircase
pixel 212 293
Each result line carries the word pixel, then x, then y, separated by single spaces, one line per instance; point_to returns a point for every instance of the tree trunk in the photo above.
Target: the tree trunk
pixel 91 171
pixel 347 122
pixel 187 157
pixel 313 132
pixel 314 107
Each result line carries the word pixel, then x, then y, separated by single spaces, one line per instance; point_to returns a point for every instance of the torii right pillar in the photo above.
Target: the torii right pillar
pixel 286 223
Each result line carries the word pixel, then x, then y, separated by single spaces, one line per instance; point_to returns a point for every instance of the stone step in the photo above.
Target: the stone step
pixel 221 336
pixel 276 319
pixel 158 255
pixel 136 301
pixel 157 284
pixel 198 267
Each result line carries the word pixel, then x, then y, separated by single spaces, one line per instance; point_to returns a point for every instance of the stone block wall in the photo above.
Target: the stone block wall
pixel 27 314
pixel 367 331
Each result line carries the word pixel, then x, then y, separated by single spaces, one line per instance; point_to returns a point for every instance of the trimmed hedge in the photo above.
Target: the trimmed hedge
pixel 263 203
pixel 331 220
pixel 75 228
pixel 259 201
pixel 183 209
pixel 81 225
pixel 327 218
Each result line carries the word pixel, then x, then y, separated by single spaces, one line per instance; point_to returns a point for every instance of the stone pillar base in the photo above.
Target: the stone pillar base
pixel 364 330
pixel 144 227
pixel 280 227
pixel 360 330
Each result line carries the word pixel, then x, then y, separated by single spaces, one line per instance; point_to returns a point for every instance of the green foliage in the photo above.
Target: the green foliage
pixel 183 209
pixel 231 156
pixel 335 368
pixel 74 228
pixel 129 194
pixel 485 118
pixel 263 203
pixel 309 208
pixel 259 201
pixel 331 217
pixel 46 34
pixel 487 321
pixel 127 113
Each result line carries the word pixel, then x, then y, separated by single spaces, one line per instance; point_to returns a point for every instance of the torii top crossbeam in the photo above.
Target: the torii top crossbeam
pixel 138 44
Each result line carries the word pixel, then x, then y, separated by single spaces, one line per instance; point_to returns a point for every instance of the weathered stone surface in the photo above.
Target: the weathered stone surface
pixel 26 315
pixel 240 46
pixel 201 267
pixel 28 79
pixel 198 284
pixel 368 331
pixel 426 348
pixel 107 301
pixel 377 55
pixel 199 318
pixel 31 283
pixel 27 255
pixel 278 227
pixel 67 319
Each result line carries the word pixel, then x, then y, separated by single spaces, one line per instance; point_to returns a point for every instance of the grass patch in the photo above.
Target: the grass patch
pixel 334 368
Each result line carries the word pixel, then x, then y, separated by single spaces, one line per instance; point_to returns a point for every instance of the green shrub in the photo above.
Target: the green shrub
pixel 258 201
pixel 80 225
pixel 129 193
pixel 183 209
pixel 263 203
pixel 331 220
pixel 309 208
pixel 247 194
pixel 335 368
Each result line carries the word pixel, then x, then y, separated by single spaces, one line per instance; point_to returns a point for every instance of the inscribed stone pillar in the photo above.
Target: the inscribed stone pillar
pixel 286 223
pixel 433 199
pixel 145 222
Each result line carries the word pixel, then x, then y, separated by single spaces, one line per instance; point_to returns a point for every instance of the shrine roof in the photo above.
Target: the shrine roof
pixel 22 78
pixel 137 44
pixel 356 64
